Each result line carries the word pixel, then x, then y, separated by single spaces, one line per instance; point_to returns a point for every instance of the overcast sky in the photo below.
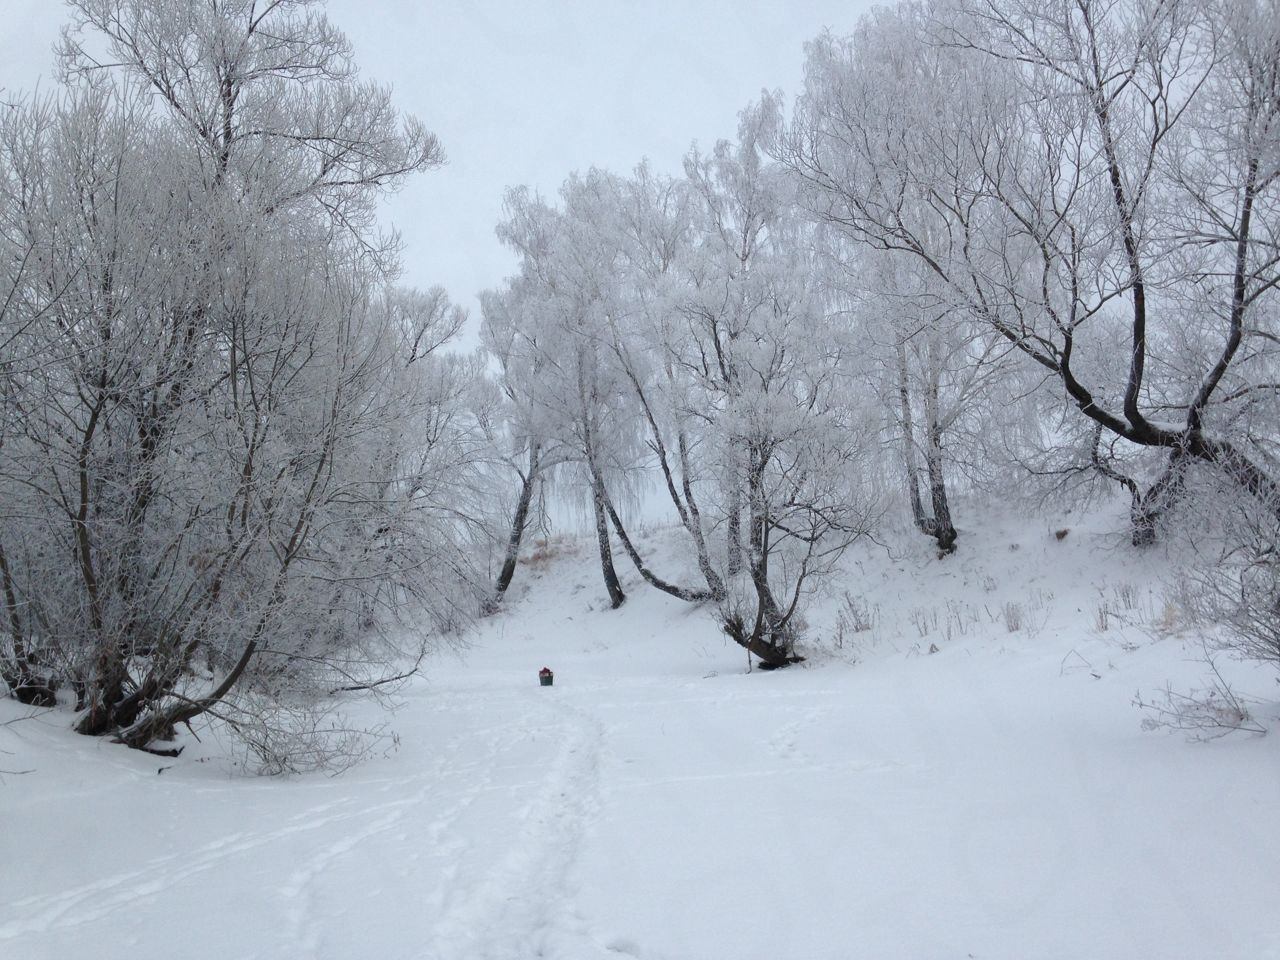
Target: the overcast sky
pixel 524 92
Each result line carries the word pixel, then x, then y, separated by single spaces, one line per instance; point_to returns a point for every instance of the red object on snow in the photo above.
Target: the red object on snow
pixel 545 676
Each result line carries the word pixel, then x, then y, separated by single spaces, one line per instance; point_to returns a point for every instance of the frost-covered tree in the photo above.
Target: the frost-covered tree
pixel 645 221
pixel 772 368
pixel 232 453
pixel 1095 183
pixel 564 292
pixel 524 428
pixel 681 325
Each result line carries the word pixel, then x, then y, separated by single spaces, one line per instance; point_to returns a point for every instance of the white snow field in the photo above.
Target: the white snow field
pixel 996 799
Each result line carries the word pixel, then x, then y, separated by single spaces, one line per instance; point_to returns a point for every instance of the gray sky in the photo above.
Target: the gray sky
pixel 524 92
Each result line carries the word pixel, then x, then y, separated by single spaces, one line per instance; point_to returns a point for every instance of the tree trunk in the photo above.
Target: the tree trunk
pixel 1161 495
pixel 518 524
pixel 756 553
pixel 20 674
pixel 694 524
pixel 767 637
pixel 105 691
pixel 734 535
pixel 938 525
pixel 771 656
pixel 909 445
pixel 943 530
pixel 681 593
pixel 616 597
pixel 1147 509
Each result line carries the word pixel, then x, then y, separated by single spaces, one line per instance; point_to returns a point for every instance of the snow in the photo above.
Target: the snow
pixel 996 799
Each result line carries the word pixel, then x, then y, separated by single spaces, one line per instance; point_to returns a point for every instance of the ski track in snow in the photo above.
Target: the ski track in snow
pixel 519 907
pixel 783 743
pixel 96 900
pixel 485 909
pixel 301 919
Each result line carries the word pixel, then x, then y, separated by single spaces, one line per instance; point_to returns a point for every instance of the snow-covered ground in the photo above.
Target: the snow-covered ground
pixel 995 799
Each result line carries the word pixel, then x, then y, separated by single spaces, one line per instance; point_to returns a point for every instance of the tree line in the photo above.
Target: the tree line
pixel 990 242
pixel 988 236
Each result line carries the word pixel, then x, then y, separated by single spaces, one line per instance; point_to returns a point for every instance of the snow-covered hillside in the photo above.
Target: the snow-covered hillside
pixel 997 798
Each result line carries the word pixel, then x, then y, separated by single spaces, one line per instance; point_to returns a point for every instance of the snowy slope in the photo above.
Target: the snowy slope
pixel 995 799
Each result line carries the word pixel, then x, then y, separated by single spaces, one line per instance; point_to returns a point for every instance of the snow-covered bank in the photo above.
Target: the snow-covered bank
pixel 996 799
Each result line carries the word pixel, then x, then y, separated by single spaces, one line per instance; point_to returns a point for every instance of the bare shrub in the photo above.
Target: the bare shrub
pixel 301 736
pixel 1241 592
pixel 856 615
pixel 960 618
pixel 547 549
pixel 1014 616
pixel 1173 617
pixel 925 619
pixel 1102 616
pixel 1202 713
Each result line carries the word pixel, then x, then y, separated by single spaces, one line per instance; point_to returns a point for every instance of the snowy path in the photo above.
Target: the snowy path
pixel 659 803
pixel 466 856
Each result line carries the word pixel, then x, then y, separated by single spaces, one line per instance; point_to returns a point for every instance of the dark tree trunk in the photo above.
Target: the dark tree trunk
pixel 909 442
pixel 943 530
pixel 159 722
pixel 939 525
pixel 518 524
pixel 616 597
pixel 734 535
pixel 769 636
pixel 1147 509
pixel 30 692
pixel 756 552
pixel 683 499
pixel 694 524
pixel 682 593
pixel 771 656
pixel 106 691
pixel 1170 485
pixel 21 673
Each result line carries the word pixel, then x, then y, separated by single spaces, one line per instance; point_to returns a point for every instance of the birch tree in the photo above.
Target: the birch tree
pixel 564 279
pixel 774 368
pixel 525 432
pixel 645 220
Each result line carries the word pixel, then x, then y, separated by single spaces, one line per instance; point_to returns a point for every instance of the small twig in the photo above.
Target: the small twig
pixel 13 773
pixel 374 683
